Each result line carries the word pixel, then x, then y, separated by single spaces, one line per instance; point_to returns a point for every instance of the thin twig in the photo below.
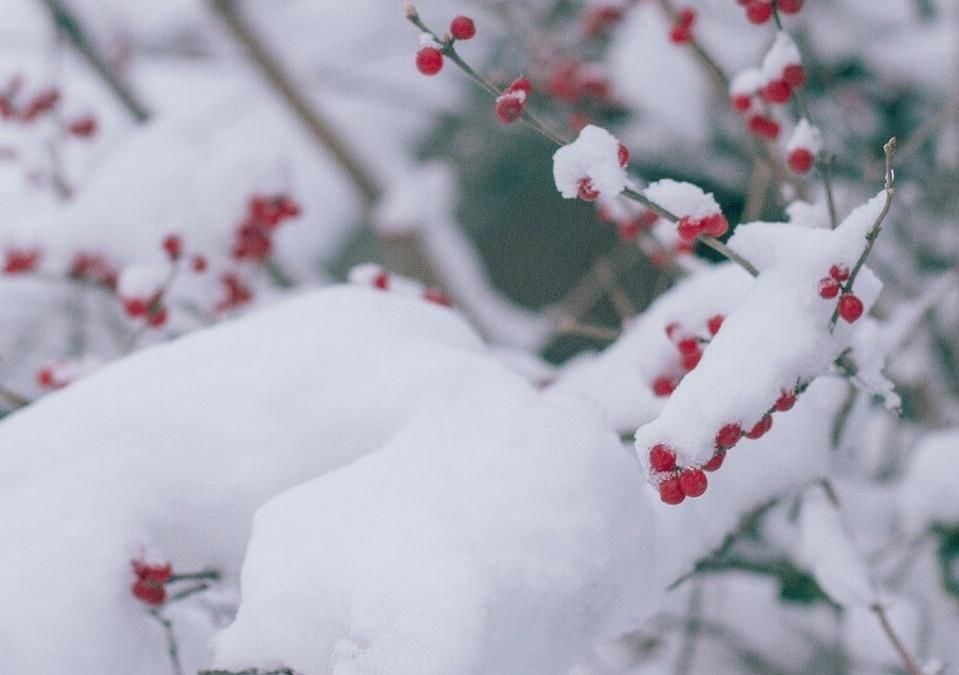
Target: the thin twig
pixel 889 149
pixel 907 661
pixel 70 27
pixel 171 644
pixel 570 326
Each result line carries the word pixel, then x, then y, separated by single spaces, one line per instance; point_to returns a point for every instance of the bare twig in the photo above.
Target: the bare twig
pixel 570 326
pixel 171 644
pixel 889 149
pixel 907 661
pixel 70 27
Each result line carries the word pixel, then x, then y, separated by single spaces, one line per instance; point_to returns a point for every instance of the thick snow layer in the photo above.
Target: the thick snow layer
pixel 928 494
pixel 682 199
pixel 92 473
pixel 593 155
pixel 746 83
pixel 776 338
pixel 142 281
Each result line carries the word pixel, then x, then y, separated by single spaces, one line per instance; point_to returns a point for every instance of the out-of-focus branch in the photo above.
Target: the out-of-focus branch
pixel 68 25
pixel 280 80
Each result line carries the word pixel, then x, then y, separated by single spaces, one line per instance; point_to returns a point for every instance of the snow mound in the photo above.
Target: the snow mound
pixel 682 199
pixel 593 155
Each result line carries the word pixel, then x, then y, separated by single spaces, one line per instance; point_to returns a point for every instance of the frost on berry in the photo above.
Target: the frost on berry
pixel 783 56
pixel 592 162
pixel 744 87
pixel 698 211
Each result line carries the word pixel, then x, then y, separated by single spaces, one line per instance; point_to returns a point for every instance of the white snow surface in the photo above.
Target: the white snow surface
pixel 594 155
pixel 805 135
pixel 682 199
pixel 928 493
pixel 783 53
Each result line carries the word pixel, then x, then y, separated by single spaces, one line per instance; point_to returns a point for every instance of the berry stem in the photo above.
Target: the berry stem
pixel 889 149
pixel 907 661
pixel 171 644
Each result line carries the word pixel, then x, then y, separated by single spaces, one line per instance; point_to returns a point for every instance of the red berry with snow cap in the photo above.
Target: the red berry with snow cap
pixel 693 482
pixel 728 436
pixel 850 307
pixel 462 28
pixel 509 108
pixel 828 288
pixel 671 492
pixel 429 60
pixel 759 11
pixel 764 127
pixel 662 458
pixel 839 272
pixel 715 225
pixel 689 228
pixel 785 402
pixel 801 160
pixel 586 190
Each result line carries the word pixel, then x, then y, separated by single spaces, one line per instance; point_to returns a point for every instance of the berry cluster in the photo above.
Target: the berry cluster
pixel 512 102
pixel 850 306
pixel 676 483
pixel 254 235
pixel 429 57
pixel 586 190
pixel 573 82
pixel 629 222
pixel 15 106
pixel 682 30
pixel 761 11
pixel 151 580
pixel 94 268
pixel 690 348
pixel 380 279
pixel 690 228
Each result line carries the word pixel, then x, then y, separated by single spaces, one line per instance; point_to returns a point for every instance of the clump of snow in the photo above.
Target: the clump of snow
pixel 419 198
pixel 142 280
pixel 777 338
pixel 593 155
pixel 746 82
pixel 806 136
pixel 682 199
pixel 782 54
pixel 928 493
pixel 827 550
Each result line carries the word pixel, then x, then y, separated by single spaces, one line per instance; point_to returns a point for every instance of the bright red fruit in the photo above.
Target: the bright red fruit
pixel 763 126
pixel 850 307
pixel 663 386
pixel 785 401
pixel 790 6
pixel 693 482
pixel 742 102
pixel 715 323
pixel 728 436
pixel 671 492
pixel 839 272
pixel 759 11
pixel 761 427
pixel 587 191
pixel 429 60
pixel 509 108
pixel 777 91
pixel 795 75
pixel 623 155
pixel 149 592
pixel 462 28
pixel 715 462
pixel 801 160
pixel 689 228
pixel 828 288
pixel 173 246
pixel 662 458
pixel 715 225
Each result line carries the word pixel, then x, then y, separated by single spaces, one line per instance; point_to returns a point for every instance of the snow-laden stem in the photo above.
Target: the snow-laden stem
pixel 171 644
pixel 907 661
pixel 446 46
pixel 889 149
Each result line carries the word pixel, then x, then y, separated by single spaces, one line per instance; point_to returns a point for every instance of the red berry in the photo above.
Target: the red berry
pixel 623 155
pixel 662 458
pixel 790 6
pixel 742 102
pixel 429 60
pixel 759 11
pixel 692 359
pixel 763 126
pixel 520 84
pixel 587 191
pixel 158 317
pixel 828 288
pixel 629 230
pixel 680 35
pixel 693 482
pixel 715 323
pixel 715 462
pixel 801 160
pixel 777 91
pixel 46 378
pixel 728 436
pixel 462 28
pixel 156 572
pixel 850 307
pixel 663 386
pixel 173 246
pixel 688 346
pixel 198 264
pixel 785 401
pixel 149 592
pixel 18 261
pixel 839 272
pixel 715 225
pixel 686 17
pixel 135 307
pixel 794 75
pixel 83 127
pixel 509 108
pixel 671 492
pixel 381 281
pixel 671 329
pixel 689 228
pixel 762 426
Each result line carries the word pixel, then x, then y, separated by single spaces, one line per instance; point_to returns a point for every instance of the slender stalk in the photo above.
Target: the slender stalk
pixel 171 644
pixel 889 149
pixel 907 661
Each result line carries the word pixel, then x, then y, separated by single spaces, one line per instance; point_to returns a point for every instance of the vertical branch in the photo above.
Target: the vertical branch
pixel 907 661
pixel 70 27
pixel 171 644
